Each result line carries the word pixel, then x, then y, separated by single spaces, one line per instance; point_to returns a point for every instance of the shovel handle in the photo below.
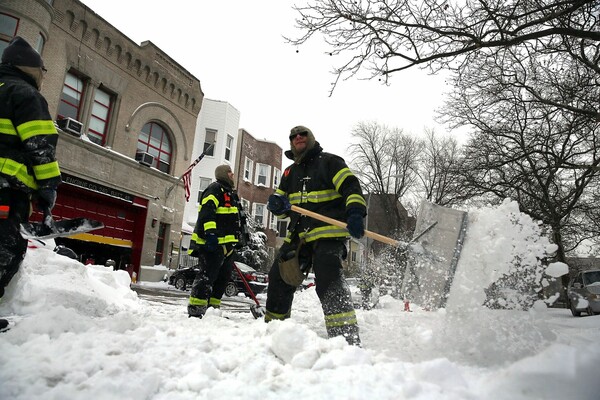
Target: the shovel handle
pixel 372 235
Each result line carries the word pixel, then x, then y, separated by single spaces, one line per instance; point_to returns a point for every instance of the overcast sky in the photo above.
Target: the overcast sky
pixel 237 51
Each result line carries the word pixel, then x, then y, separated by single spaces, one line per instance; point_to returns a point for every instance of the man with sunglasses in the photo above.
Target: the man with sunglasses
pixel 320 182
pixel 28 166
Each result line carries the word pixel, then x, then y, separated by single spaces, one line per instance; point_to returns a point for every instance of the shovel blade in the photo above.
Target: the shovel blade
pixel 65 227
pixel 257 311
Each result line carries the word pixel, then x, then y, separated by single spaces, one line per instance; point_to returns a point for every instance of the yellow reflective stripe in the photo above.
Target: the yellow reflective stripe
pixel 210 225
pixel 7 127
pixel 227 239
pixel 341 319
pixel 214 302
pixel 194 301
pixel 227 210
pixel 212 198
pixel 356 198
pixel 46 171
pixel 280 192
pixel 324 232
pixel 340 177
pixel 35 128
pixel 318 196
pixel 18 170
pixel 295 198
pixel 270 316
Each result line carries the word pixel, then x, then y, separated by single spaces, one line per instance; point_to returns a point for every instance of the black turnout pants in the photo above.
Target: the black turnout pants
pixel 215 272
pixel 331 288
pixel 12 244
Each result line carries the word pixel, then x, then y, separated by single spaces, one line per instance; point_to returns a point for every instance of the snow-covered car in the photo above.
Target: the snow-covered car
pixel 583 293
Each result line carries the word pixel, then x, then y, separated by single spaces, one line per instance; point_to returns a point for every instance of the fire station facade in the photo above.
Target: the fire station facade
pixel 126 115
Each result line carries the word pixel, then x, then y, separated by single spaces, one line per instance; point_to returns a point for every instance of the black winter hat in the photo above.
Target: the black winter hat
pixel 20 53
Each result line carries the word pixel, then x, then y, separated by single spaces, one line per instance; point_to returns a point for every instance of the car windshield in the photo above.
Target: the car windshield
pixel 591 278
pixel 244 267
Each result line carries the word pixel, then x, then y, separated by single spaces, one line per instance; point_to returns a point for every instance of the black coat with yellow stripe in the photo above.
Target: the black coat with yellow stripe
pixel 28 136
pixel 322 183
pixel 218 212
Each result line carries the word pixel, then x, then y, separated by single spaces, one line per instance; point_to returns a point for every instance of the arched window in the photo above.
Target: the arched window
pixel 154 140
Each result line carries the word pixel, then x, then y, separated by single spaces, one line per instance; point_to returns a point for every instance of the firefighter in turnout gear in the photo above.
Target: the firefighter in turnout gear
pixel 28 167
pixel 218 229
pixel 323 183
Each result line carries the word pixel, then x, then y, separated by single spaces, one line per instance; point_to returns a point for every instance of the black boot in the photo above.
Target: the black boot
pixel 4 325
pixel 196 311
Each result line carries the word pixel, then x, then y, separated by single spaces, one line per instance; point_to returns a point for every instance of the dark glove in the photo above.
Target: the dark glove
pixel 212 242
pixel 278 204
pixel 356 224
pixel 46 198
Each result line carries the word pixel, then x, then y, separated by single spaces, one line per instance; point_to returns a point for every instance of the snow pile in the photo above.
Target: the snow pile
pixel 79 332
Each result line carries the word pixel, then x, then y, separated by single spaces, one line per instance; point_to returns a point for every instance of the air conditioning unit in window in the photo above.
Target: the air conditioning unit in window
pixel 70 125
pixel 144 158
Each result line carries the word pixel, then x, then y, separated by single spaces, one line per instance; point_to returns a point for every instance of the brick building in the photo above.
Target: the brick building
pixel 258 172
pixel 127 114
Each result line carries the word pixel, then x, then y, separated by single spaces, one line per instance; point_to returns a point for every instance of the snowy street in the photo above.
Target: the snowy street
pixel 80 332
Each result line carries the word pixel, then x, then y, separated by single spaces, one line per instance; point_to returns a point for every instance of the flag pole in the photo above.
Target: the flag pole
pixel 196 161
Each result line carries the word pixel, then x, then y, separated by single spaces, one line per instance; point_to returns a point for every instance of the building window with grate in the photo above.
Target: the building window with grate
pixel 70 99
pixel 8 29
pixel 160 244
pixel 154 140
pixel 100 114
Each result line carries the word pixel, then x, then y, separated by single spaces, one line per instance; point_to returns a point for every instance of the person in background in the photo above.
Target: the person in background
pixel 320 182
pixel 218 230
pixel 28 167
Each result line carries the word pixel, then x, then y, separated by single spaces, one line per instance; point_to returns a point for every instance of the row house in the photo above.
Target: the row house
pixel 256 165
pixel 127 116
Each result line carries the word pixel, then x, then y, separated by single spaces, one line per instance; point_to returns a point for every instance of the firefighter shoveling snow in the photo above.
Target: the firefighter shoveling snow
pixel 79 332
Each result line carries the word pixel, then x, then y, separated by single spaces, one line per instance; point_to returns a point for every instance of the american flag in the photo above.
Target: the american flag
pixel 187 175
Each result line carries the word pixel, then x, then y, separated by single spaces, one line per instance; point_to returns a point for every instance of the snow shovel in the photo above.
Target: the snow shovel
pixel 49 228
pixel 256 309
pixel 372 235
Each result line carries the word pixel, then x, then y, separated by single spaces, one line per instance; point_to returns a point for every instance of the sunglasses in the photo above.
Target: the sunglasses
pixel 293 135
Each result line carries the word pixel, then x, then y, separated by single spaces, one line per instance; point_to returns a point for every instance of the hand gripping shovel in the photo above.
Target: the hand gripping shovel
pixel 256 309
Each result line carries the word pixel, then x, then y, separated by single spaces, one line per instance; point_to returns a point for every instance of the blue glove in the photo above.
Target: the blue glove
pixel 46 198
pixel 278 204
pixel 356 224
pixel 212 242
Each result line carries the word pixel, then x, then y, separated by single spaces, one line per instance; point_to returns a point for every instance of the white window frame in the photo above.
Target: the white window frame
pixel 276 177
pixel 259 174
pixel 248 166
pixel 208 133
pixel 255 208
pixel 228 147
pixel 272 222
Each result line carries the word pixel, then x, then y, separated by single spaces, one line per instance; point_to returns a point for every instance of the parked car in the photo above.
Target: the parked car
pixel 256 280
pixel 583 293
pixel 183 278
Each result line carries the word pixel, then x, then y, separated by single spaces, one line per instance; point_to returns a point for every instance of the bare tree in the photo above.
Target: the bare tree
pixel 543 155
pixel 385 161
pixel 387 36
pixel 438 170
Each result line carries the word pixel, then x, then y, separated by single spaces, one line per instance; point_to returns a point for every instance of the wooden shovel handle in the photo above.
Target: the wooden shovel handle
pixel 372 235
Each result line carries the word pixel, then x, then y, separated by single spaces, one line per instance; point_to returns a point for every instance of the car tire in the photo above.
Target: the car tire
pixel 180 283
pixel 574 310
pixel 231 289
